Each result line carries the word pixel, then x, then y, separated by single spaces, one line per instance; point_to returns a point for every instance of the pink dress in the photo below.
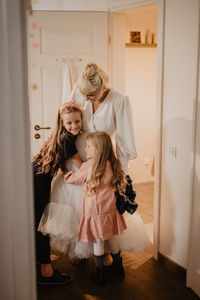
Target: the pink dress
pixel 100 217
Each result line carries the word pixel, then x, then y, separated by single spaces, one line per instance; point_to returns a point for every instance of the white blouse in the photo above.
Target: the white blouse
pixel 113 116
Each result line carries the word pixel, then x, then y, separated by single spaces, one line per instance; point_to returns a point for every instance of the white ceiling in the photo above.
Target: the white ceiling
pixel 90 5
pixel 70 5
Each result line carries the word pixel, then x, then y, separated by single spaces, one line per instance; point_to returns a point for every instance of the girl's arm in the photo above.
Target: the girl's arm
pixel 79 176
pixel 77 160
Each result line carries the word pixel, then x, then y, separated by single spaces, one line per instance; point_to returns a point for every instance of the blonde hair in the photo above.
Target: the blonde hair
pixel 104 152
pixel 50 156
pixel 93 78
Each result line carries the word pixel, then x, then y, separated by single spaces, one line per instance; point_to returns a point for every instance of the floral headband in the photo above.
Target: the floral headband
pixel 69 104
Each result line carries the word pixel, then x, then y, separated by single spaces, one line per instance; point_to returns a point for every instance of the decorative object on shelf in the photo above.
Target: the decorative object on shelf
pixel 135 37
pixel 148 37
pixel 153 38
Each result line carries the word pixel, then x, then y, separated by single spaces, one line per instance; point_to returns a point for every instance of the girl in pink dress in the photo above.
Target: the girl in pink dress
pixel 102 174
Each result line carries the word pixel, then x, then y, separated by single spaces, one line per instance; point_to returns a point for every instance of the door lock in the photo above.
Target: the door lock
pixel 37 127
pixel 37 136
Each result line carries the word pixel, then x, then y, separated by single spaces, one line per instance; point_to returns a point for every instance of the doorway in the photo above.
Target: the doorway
pixel 138 79
pixel 139 63
pixel 140 85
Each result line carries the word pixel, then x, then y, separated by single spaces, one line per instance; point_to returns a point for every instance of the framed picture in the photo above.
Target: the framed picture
pixel 135 37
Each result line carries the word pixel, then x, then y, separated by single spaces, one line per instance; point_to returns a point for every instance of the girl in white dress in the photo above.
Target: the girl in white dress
pixel 104 110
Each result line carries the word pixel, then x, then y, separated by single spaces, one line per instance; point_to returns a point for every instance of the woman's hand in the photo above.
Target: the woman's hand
pixel 68 175
pixel 77 160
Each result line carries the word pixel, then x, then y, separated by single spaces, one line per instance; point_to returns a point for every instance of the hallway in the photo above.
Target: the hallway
pixel 145 279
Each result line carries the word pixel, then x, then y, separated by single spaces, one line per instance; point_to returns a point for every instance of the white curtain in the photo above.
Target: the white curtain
pixel 68 80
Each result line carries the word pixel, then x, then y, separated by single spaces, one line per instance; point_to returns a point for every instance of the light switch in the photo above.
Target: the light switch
pixel 146 161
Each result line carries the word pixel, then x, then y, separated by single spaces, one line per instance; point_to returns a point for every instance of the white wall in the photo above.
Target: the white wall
pixel 140 86
pixel 180 73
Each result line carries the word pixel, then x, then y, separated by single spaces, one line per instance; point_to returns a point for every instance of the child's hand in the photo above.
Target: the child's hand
pixel 68 175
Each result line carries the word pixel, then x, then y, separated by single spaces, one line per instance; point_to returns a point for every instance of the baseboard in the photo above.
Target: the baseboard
pixel 172 266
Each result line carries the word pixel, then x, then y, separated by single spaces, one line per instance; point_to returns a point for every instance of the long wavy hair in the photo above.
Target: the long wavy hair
pixel 49 158
pixel 104 152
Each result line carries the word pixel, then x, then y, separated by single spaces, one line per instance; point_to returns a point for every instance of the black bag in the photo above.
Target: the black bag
pixel 126 201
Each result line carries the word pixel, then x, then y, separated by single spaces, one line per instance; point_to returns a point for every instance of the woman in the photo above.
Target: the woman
pixel 105 110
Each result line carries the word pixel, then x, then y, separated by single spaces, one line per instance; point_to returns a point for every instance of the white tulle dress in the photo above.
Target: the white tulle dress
pixel 62 215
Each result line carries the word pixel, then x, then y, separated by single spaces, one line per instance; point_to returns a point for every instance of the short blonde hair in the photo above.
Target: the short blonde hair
pixel 92 79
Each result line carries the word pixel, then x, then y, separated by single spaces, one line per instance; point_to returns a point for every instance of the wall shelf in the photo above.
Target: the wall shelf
pixel 140 45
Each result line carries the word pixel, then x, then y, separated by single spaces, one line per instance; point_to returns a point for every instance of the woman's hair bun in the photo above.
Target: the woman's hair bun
pixel 92 78
pixel 90 70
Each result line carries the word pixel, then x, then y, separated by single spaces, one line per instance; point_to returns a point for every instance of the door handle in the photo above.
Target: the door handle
pixel 37 127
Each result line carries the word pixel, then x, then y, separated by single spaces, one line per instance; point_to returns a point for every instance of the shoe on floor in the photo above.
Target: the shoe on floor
pixel 116 268
pixel 98 277
pixel 56 279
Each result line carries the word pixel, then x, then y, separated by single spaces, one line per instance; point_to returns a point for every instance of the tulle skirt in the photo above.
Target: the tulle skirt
pixel 61 219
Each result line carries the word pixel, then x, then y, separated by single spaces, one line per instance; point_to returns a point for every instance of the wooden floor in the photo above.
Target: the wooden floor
pixel 150 281
pixel 145 278
pixel 144 197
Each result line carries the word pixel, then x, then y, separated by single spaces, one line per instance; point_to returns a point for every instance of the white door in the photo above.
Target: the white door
pixel 193 274
pixel 57 41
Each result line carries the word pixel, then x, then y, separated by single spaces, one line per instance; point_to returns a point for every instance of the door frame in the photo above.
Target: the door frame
pixel 17 257
pixel 119 7
pixel 194 182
